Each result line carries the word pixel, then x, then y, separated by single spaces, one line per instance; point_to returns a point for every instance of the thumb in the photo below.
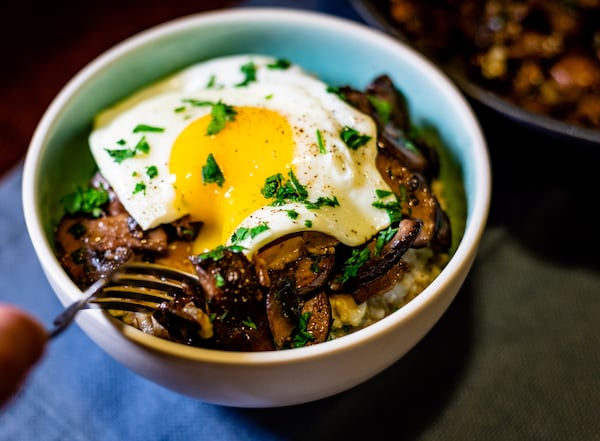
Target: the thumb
pixel 22 343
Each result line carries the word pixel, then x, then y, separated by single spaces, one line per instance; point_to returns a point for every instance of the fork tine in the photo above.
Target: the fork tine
pixel 148 292
pixel 135 286
pixel 142 285
pixel 121 304
pixel 68 315
pixel 160 272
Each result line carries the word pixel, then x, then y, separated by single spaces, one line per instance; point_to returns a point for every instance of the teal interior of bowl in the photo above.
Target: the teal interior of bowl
pixel 335 52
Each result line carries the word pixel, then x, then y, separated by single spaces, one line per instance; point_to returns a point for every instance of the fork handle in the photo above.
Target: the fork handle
pixel 62 321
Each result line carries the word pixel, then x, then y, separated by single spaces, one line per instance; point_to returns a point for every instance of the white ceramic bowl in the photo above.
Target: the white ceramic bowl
pixel 339 52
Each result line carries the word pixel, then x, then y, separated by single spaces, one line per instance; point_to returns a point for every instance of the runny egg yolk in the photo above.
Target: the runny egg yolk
pixel 258 143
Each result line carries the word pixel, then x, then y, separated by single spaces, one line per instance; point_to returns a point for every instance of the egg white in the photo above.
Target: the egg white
pixel 349 175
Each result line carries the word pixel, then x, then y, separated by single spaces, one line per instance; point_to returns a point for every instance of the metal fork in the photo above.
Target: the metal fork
pixel 134 286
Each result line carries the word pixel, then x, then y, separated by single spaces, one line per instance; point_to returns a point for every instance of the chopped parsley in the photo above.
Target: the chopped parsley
pixel 211 172
pixel 392 207
pixel 119 155
pixel 302 336
pixel 383 193
pixel 249 70
pixel 152 171
pixel 308 223
pixel 292 214
pixel 320 142
pixel 284 191
pixel 384 237
pixel 212 81
pixel 218 253
pixel 352 138
pixel 197 103
pixel 355 262
pixel 220 113
pixel 361 256
pixel 146 128
pixel 140 187
pixel 249 322
pixel 142 146
pixel 85 200
pixel 219 280
pixel 382 107
pixel 314 268
pixel 280 63
pixel 336 91
pixel 243 233
pixel 322 201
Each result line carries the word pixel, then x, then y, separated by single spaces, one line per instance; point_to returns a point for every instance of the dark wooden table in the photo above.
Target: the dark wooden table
pixel 44 44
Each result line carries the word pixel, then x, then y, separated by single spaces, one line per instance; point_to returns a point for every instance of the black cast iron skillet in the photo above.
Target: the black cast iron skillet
pixel 374 13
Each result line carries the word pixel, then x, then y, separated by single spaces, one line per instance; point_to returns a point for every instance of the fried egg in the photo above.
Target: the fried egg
pixel 252 146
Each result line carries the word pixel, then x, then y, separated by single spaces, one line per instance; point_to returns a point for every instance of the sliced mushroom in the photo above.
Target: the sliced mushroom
pixel 390 255
pixel 235 299
pixel 419 202
pixel 283 309
pixel 319 321
pixel 89 248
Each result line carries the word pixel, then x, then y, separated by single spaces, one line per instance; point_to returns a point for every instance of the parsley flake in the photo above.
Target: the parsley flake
pixel 218 253
pixel 393 207
pixel 211 173
pixel 249 70
pixel 383 238
pixel 249 322
pixel 336 91
pixel 276 187
pixel 383 193
pixel 320 142
pixel 354 263
pixel 219 280
pixel 286 191
pixel 322 201
pixel 302 337
pixel 242 233
pixel 85 201
pixel 382 107
pixel 146 128
pixel 280 63
pixel 140 187
pixel 352 138
pixel 212 81
pixel 152 171
pixel 142 146
pixel 220 113
pixel 119 155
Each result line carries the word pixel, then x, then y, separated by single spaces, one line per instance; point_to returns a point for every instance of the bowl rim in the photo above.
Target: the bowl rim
pixel 464 254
